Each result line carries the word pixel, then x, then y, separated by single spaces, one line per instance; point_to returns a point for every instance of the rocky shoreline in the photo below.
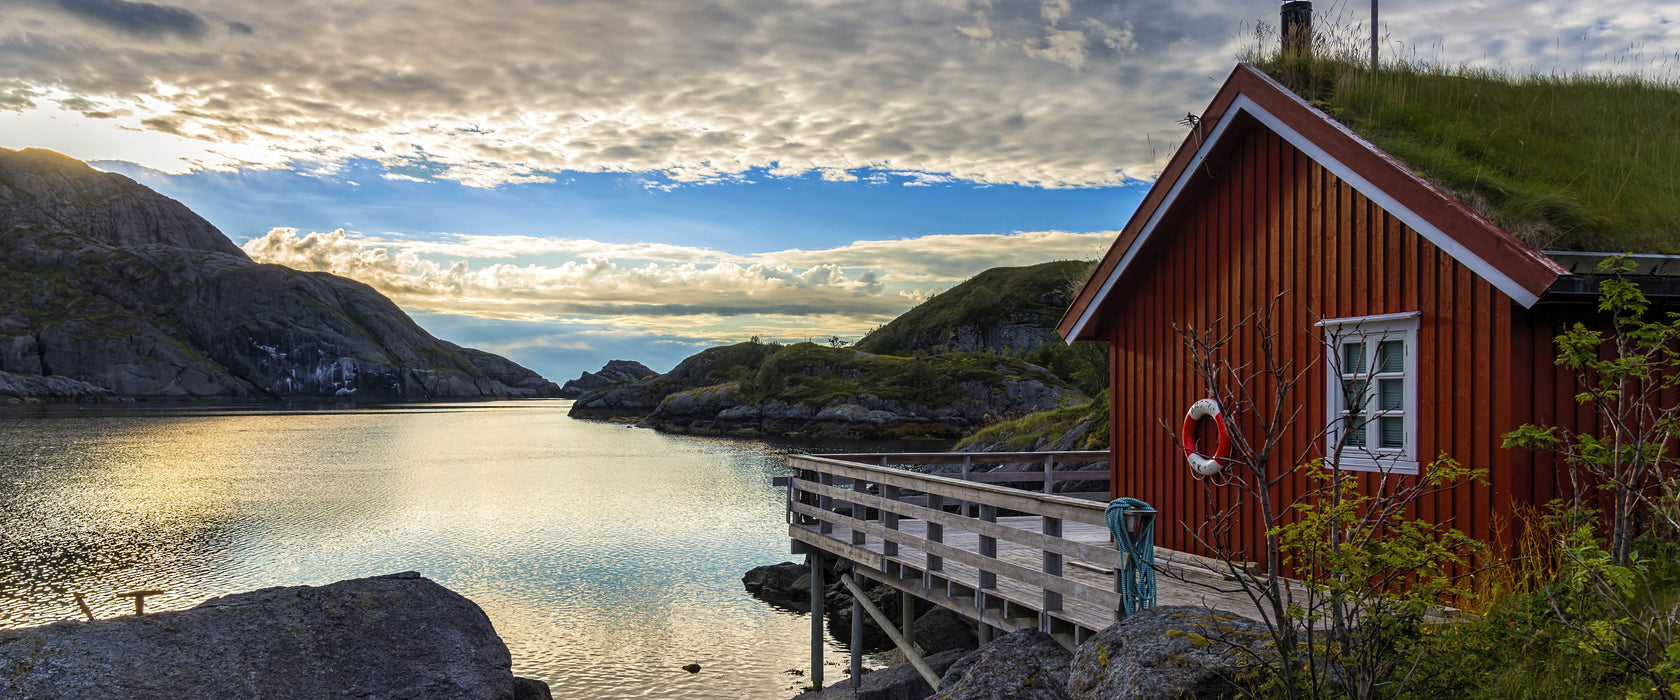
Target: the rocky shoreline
pixel 807 391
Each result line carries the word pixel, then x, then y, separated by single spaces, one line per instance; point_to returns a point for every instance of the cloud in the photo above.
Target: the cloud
pixel 846 290
pixel 142 19
pixel 1040 92
pixel 507 91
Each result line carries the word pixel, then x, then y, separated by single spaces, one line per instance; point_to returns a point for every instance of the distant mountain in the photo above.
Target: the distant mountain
pixel 613 372
pixel 1004 310
pixel 110 289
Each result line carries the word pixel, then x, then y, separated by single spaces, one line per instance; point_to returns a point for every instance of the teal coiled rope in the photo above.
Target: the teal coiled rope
pixel 1137 578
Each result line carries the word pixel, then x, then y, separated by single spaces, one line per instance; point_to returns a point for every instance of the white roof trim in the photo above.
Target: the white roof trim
pixel 1379 318
pixel 1243 103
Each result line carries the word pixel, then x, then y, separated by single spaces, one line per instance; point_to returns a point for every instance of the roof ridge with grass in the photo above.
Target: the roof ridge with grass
pixel 1566 163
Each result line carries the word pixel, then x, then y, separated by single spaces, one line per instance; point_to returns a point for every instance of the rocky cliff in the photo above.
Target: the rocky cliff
pixel 613 372
pixel 110 289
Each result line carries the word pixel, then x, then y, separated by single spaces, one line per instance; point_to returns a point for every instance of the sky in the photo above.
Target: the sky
pixel 568 182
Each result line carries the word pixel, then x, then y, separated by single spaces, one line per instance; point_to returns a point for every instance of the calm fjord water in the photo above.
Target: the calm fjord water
pixel 607 557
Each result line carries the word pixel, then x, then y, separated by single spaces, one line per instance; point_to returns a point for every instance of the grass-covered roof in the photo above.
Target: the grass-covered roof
pixel 1574 162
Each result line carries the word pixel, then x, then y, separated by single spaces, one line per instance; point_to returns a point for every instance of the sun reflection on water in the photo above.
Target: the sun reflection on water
pixel 607 557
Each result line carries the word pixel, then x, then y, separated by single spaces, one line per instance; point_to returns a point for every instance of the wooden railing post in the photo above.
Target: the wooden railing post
pixel 967 469
pixel 889 519
pixel 935 533
pixel 826 503
pixel 1050 473
pixel 988 548
pixel 858 511
pixel 1053 567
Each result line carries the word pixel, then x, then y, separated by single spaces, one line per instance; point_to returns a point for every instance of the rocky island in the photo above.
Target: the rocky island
pixel 108 290
pixel 614 372
pixel 982 352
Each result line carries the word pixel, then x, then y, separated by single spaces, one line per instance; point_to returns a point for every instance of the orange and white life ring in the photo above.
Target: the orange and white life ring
pixel 1205 466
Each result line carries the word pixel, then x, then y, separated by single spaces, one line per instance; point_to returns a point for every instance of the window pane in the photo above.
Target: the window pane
pixel 1355 394
pixel 1391 356
pixel 1393 433
pixel 1392 394
pixel 1354 427
pixel 1353 358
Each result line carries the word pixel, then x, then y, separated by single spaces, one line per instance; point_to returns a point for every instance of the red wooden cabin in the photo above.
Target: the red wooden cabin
pixel 1269 196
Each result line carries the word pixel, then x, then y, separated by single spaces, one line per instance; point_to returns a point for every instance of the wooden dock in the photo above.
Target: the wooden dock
pixel 1007 558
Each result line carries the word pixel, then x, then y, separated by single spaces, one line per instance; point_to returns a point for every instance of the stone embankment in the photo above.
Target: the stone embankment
pixel 396 636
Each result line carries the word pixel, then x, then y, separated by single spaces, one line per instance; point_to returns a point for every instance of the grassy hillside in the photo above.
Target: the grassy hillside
pixel 1035 296
pixel 1574 162
pixel 815 375
pixel 1085 427
pixel 1009 311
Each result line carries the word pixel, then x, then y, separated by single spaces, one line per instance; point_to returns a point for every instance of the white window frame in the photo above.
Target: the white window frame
pixel 1371 330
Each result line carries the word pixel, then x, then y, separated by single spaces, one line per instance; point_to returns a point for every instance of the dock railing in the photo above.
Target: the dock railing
pixel 1007 557
pixel 1038 472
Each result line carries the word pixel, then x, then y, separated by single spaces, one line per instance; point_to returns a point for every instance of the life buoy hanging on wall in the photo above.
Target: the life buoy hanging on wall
pixel 1205 466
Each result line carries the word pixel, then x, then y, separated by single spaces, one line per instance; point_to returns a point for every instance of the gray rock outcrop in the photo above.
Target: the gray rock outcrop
pixel 107 283
pixel 613 372
pixel 1022 665
pixel 808 391
pixel 1165 653
pixel 397 636
pixel 723 410
pixel 940 630
pixel 786 585
pixel 901 682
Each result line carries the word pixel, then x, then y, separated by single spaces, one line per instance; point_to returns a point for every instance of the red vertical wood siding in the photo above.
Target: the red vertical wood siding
pixel 1265 220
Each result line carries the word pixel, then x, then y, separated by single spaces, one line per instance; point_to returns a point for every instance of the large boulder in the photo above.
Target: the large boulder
pixel 396 636
pixel 940 629
pixel 786 584
pixel 1180 651
pixel 1021 665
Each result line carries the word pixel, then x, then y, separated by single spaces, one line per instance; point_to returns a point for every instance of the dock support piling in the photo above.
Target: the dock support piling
pixel 816 620
pixel 907 616
pixel 985 634
pixel 857 643
pixel 910 654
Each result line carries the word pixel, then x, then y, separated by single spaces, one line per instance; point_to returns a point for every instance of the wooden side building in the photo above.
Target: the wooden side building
pixel 1269 198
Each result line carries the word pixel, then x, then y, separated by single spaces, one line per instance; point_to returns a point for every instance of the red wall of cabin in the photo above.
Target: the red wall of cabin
pixel 1267 221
